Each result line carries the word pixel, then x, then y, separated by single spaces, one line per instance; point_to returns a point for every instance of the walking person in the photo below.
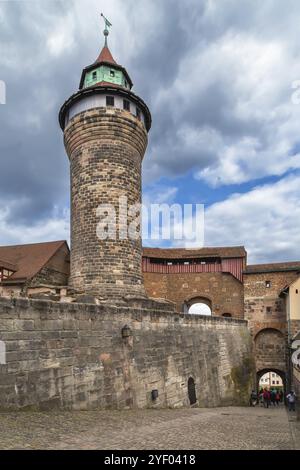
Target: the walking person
pixel 281 395
pixel 291 398
pixel 273 396
pixel 266 397
pixel 277 397
pixel 253 398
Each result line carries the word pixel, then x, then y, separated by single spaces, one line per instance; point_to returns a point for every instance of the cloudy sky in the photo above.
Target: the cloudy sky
pixel 220 78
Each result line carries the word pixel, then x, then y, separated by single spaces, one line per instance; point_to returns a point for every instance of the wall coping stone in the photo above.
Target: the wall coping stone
pixel 87 309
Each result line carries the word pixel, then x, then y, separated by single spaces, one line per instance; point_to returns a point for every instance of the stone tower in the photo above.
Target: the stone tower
pixel 105 129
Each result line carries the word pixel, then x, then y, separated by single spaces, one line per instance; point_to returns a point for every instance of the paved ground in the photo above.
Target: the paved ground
pixel 197 428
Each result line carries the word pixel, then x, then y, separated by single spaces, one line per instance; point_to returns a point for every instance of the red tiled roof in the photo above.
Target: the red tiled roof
pixel 105 56
pixel 273 267
pixel 29 259
pixel 221 252
pixel 7 265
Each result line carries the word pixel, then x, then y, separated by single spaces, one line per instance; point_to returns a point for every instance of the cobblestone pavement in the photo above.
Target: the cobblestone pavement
pixel 196 428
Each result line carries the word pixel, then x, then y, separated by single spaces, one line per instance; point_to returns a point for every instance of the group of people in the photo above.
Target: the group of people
pixel 267 397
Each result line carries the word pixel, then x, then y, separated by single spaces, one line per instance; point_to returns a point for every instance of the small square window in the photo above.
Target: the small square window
pixel 138 113
pixel 126 105
pixel 269 309
pixel 110 101
pixel 268 284
pixel 112 73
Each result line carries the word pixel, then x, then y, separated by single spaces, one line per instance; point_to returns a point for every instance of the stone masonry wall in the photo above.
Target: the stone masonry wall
pixel 105 147
pixel 265 312
pixel 224 291
pixel 73 356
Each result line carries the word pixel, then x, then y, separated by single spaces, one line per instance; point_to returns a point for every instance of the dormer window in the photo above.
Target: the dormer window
pixel 112 73
pixel 94 75
pixel 110 101
pixel 5 273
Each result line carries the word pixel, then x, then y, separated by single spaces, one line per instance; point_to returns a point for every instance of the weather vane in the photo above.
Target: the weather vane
pixel 106 30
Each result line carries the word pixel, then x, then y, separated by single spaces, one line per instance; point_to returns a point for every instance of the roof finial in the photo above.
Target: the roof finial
pixel 106 30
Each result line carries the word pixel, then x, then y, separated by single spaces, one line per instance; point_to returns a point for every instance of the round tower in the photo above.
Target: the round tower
pixel 105 129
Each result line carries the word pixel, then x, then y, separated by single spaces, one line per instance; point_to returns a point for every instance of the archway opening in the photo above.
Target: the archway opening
pixel 192 391
pixel 272 379
pixel 200 309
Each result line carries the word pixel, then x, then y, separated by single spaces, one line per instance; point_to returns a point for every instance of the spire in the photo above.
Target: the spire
pixel 106 30
pixel 105 54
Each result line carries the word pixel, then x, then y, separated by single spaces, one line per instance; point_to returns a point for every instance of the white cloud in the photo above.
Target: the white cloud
pixel 266 220
pixel 56 227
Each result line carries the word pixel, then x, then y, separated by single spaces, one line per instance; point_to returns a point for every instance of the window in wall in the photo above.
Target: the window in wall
pixel 269 309
pixel 268 284
pixel 296 291
pixel 200 308
pixel 112 73
pixel 126 105
pixel 138 113
pixel 110 101
pixel 94 75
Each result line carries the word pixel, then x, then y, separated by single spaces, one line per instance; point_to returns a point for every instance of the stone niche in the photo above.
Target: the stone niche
pixel 83 356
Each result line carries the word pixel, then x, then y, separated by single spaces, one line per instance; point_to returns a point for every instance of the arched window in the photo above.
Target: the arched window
pixel 200 309
pixel 198 306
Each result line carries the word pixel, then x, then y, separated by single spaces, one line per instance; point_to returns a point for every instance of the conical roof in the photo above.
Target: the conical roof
pixel 105 56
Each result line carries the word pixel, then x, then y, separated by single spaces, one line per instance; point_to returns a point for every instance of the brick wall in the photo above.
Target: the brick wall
pixel 270 350
pixel 223 290
pixel 74 356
